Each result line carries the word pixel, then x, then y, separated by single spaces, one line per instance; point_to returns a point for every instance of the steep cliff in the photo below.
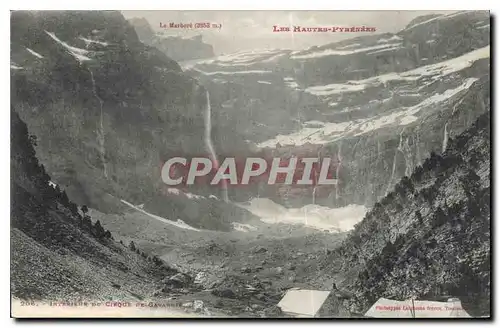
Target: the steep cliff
pixel 430 236
pixel 109 110
pixel 60 255
pixel 175 47
pixel 379 102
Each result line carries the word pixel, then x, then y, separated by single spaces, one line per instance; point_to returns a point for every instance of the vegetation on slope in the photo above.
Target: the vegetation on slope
pixel 430 237
pixel 57 252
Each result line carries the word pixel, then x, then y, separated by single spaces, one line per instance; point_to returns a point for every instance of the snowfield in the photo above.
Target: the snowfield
pixel 333 131
pixel 231 73
pixel 314 216
pixel 332 52
pixel 435 71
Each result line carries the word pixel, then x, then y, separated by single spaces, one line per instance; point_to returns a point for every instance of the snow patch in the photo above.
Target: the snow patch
pixel 315 216
pixel 89 42
pixel 194 196
pixel 189 195
pixel 332 131
pixel 331 52
pixel 385 50
pixel 79 54
pixel 305 135
pixel 178 223
pixel 243 227
pixel 174 191
pixel 231 73
pixel 393 38
pixel 246 58
pixel 36 54
pixel 435 71
pixel 349 46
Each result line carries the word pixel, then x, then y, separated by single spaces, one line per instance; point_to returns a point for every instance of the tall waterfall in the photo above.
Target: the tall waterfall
pixel 100 133
pixel 399 149
pixel 445 137
pixel 407 154
pixel 417 145
pixel 337 171
pixel 209 144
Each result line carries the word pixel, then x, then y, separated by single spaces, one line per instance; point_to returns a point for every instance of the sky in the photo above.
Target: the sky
pixel 248 30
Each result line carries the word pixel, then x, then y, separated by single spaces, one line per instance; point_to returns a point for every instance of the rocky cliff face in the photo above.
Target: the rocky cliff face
pixel 430 237
pixel 379 103
pixel 177 48
pixel 107 109
pixel 59 255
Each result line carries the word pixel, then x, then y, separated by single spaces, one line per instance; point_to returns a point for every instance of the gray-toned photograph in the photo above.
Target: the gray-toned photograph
pixel 250 164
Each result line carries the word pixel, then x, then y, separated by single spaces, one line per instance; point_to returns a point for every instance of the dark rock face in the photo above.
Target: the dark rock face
pixel 430 237
pixel 177 48
pixel 109 110
pixel 384 101
pixel 51 241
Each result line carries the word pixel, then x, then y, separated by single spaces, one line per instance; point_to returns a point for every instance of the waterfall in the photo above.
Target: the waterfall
pixel 393 171
pixel 417 144
pixel 209 144
pixel 410 163
pixel 445 137
pixel 417 53
pixel 337 171
pixel 406 150
pixel 100 133
pixel 399 149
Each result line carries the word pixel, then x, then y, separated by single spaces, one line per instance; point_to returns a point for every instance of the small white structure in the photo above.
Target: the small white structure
pixel 303 303
pixel 387 308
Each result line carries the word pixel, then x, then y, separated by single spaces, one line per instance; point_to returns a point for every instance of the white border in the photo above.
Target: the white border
pixel 198 5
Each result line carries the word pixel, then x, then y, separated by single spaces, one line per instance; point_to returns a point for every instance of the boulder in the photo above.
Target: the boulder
pixel 179 280
pixel 200 278
pixel 198 306
pixel 260 249
pixel 255 306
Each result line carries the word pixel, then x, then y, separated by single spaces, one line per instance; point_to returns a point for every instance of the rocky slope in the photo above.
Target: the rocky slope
pixel 175 47
pixel 429 237
pixel 378 103
pixel 60 255
pixel 109 110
